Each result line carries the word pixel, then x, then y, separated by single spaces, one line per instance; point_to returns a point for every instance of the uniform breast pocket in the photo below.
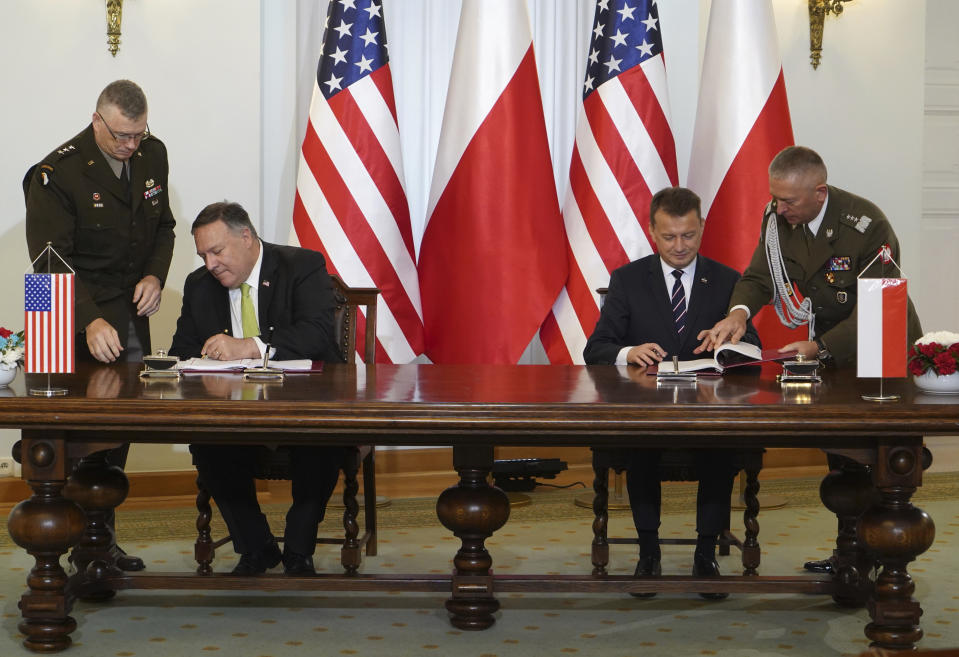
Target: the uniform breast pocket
pixel 839 292
pixel 98 232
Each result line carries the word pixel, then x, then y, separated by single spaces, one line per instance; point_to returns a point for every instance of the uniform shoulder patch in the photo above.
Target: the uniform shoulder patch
pixel 45 173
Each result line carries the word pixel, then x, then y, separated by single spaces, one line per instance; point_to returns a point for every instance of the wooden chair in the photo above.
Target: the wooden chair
pixel 675 465
pixel 276 463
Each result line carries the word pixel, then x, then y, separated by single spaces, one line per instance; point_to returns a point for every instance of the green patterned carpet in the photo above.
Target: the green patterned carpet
pixel 550 535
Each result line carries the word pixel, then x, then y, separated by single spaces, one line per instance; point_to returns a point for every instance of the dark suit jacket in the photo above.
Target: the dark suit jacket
pixel 295 298
pixel 637 310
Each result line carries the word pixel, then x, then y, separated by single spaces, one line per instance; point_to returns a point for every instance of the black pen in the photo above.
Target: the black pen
pixel 266 351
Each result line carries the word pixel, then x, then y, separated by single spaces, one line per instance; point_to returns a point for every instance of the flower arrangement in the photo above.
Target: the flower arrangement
pixel 937 351
pixel 11 348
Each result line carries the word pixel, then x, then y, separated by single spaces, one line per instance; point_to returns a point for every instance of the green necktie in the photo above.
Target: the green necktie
pixel 251 327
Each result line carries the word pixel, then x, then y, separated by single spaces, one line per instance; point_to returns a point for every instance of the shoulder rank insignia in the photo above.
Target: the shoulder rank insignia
pixel 863 223
pixel 839 263
pixel 66 149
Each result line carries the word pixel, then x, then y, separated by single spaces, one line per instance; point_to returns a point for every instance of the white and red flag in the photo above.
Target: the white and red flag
pixel 350 201
pixel 742 122
pixel 49 332
pixel 623 154
pixel 881 344
pixel 493 256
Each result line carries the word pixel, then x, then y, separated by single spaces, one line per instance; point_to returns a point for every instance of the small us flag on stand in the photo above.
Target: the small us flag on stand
pixel 49 332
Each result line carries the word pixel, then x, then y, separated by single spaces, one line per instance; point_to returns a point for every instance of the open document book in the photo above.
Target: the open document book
pixel 210 365
pixel 727 355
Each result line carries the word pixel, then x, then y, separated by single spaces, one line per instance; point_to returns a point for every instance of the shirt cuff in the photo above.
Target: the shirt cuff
pixel 621 356
pixel 261 346
pixel 746 308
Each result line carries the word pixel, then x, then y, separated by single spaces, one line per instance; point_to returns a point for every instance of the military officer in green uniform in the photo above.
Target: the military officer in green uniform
pixel 102 200
pixel 826 237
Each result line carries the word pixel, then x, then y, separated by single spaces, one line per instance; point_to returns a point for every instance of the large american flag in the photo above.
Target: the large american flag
pixel 623 154
pixel 49 332
pixel 350 201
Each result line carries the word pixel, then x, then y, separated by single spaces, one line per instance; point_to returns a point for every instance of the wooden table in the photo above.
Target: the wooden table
pixel 474 409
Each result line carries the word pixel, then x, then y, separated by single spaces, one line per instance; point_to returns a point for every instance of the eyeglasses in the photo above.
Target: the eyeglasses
pixel 125 136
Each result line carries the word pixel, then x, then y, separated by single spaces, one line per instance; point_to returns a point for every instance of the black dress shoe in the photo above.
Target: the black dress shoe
pixel 125 561
pixel 707 567
pixel 297 564
pixel 255 563
pixel 825 566
pixel 647 567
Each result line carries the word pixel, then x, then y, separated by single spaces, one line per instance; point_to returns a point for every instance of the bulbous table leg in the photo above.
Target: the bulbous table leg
pixel 98 487
pixel 46 526
pixel 848 492
pixel 473 510
pixel 896 532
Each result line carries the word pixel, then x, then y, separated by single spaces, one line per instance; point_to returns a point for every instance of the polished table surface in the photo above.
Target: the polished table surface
pixel 474 409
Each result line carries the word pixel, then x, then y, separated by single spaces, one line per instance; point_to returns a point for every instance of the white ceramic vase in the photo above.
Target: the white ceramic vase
pixel 7 375
pixel 938 384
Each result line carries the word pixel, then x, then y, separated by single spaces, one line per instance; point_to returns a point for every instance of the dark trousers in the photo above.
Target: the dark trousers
pixel 716 470
pixel 227 472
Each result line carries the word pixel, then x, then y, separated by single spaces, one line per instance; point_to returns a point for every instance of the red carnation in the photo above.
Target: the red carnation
pixel 944 363
pixel 917 367
pixel 954 349
pixel 930 350
pixel 4 333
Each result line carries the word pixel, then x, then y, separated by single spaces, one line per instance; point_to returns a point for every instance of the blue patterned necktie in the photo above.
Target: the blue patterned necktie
pixel 678 299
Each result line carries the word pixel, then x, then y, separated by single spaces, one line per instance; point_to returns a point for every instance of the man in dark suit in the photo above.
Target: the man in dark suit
pixel 658 307
pixel 245 285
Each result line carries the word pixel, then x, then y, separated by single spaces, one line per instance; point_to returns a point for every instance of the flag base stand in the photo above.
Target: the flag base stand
pixel 881 397
pixel 47 392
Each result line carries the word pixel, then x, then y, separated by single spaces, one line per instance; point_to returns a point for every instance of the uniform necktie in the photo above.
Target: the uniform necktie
pixel 678 299
pixel 251 327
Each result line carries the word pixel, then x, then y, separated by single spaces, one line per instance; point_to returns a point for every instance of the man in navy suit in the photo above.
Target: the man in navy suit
pixel 245 285
pixel 657 307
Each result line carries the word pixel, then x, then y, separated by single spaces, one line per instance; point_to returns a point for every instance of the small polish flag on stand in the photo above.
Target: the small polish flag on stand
pixel 881 325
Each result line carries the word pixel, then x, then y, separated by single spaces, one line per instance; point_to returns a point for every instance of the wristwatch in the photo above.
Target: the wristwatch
pixel 823 355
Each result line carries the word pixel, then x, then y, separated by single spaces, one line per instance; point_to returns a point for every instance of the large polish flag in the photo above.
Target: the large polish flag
pixel 742 122
pixel 350 201
pixel 493 256
pixel 623 154
pixel 881 307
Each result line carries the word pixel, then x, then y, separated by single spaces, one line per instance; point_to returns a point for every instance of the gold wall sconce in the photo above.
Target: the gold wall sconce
pixel 818 10
pixel 115 17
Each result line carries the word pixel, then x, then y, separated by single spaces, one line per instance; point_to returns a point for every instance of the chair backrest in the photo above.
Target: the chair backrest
pixel 344 319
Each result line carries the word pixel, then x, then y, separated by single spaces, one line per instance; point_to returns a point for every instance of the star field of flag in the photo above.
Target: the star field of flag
pixel 353 44
pixel 623 36
pixel 36 293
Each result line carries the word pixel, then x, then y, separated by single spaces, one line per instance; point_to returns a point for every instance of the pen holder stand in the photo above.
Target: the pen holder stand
pixel 160 366
pixel 263 374
pixel 800 370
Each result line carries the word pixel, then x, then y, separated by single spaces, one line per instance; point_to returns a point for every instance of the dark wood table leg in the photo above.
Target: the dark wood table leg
pixel 350 552
pixel 472 510
pixel 98 487
pixel 203 549
pixel 46 526
pixel 751 549
pixel 600 551
pixel 896 532
pixel 848 492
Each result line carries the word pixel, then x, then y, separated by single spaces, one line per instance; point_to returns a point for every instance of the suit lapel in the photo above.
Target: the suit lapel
pixel 698 296
pixel 661 304
pixel 265 293
pixel 138 176
pixel 221 308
